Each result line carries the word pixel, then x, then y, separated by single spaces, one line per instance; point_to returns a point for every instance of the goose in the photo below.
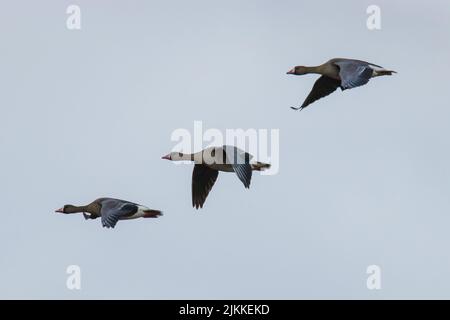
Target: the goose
pixel 338 72
pixel 111 210
pixel 210 161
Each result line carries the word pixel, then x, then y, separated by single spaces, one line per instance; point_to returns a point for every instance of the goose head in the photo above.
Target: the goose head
pixel 176 156
pixel 68 208
pixel 298 70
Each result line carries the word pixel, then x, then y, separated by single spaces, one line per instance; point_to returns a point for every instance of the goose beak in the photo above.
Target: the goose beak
pixel 292 71
pixel 60 210
pixel 167 157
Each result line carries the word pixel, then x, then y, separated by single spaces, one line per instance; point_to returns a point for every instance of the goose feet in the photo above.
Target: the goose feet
pixel 89 216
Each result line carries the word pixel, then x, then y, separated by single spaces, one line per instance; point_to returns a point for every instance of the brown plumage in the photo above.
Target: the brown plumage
pixel 338 72
pixel 111 210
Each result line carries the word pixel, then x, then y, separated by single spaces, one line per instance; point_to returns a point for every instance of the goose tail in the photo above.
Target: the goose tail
pixel 383 72
pixel 387 72
pixel 152 213
pixel 260 166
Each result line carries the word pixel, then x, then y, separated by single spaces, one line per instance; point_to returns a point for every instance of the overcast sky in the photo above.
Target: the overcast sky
pixel 364 174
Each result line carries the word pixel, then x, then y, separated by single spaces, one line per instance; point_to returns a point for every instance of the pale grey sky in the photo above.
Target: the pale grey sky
pixel 364 174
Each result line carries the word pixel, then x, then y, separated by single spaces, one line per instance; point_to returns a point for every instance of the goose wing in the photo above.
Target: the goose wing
pixel 322 88
pixel 113 210
pixel 203 179
pixel 353 73
pixel 240 161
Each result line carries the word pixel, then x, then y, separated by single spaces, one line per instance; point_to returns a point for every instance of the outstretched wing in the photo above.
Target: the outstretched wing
pixel 353 73
pixel 240 161
pixel 322 87
pixel 113 210
pixel 203 179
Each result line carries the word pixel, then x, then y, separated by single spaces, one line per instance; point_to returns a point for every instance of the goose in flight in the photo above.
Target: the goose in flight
pixel 111 210
pixel 338 73
pixel 210 161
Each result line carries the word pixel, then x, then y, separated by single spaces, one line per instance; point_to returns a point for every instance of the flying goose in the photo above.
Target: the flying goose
pixel 111 210
pixel 338 72
pixel 210 161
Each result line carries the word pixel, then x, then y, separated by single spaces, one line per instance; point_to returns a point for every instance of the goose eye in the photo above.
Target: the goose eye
pixel 180 154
